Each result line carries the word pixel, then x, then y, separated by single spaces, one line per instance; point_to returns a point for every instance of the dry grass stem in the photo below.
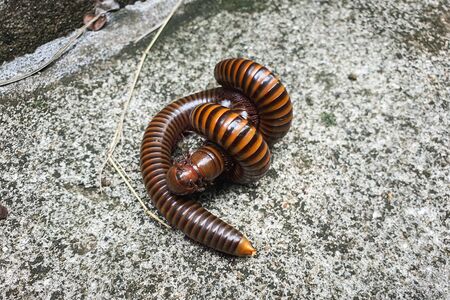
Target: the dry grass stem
pixel 148 32
pixel 127 180
pixel 57 55
pixel 119 128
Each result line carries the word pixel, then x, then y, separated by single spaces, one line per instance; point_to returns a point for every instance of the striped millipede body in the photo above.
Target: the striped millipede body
pixel 242 119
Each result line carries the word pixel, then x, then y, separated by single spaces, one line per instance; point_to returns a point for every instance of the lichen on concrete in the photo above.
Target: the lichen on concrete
pixel 355 204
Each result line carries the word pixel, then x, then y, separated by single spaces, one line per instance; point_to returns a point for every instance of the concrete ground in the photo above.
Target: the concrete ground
pixel 355 205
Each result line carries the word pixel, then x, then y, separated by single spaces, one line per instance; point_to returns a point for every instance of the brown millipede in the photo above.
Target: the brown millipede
pixel 225 117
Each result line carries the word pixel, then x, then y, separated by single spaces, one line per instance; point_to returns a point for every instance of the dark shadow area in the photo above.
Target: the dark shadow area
pixel 25 24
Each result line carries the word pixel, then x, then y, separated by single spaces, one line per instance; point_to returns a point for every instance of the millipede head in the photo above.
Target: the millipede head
pixel 183 179
pixel 197 170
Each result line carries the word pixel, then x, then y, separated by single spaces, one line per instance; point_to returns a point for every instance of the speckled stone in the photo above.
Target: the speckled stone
pixel 355 205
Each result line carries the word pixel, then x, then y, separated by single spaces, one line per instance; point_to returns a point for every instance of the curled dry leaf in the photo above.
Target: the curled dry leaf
pixel 98 24
pixel 3 212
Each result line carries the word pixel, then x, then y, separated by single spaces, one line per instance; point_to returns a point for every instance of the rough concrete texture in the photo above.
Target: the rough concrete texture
pixel 355 205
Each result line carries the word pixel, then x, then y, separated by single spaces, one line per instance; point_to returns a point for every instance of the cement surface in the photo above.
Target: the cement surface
pixel 355 205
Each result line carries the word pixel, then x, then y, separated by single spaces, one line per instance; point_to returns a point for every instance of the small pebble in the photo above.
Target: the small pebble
pixel 3 212
pixel 106 182
pixel 352 77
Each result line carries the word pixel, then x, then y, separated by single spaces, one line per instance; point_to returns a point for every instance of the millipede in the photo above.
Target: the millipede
pixel 240 120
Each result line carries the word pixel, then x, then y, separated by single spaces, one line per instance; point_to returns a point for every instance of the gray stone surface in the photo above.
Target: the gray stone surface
pixel 356 204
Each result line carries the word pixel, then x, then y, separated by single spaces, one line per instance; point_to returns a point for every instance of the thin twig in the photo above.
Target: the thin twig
pixel 125 178
pixel 123 171
pixel 55 56
pixel 148 32
pixel 119 128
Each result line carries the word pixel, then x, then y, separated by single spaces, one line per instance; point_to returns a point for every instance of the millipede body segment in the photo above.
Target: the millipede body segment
pixel 240 120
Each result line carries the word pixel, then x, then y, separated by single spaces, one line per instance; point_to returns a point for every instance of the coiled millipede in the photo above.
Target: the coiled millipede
pixel 250 112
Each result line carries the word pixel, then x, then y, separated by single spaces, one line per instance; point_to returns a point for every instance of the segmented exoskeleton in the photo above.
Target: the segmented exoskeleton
pixel 242 119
